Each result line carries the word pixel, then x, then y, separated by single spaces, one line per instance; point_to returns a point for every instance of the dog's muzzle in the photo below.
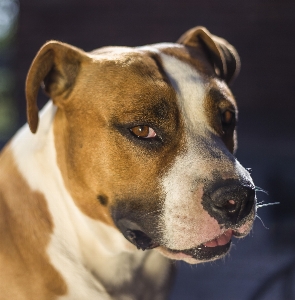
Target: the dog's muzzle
pixel 227 201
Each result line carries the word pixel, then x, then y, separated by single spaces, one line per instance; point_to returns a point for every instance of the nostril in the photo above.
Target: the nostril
pixel 231 206
pixel 227 205
pixel 231 202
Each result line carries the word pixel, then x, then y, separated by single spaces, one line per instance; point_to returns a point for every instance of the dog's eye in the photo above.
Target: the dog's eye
pixel 143 131
pixel 227 118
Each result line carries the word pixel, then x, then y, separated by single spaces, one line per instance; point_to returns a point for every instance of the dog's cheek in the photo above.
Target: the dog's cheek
pixel 76 161
pixel 113 173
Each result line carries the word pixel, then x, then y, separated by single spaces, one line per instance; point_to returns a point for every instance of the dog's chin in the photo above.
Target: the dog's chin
pixel 196 255
pixel 208 251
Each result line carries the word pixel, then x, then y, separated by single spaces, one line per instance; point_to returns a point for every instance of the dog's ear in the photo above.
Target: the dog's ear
pixel 56 65
pixel 222 55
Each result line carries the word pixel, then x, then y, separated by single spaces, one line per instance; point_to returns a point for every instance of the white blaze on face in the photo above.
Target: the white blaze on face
pixel 190 87
pixel 185 222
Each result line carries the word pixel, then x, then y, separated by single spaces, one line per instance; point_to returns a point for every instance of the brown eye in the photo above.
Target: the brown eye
pixel 227 118
pixel 143 131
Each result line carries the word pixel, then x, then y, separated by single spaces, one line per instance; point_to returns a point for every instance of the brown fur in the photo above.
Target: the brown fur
pixel 219 100
pixel 25 229
pixel 89 172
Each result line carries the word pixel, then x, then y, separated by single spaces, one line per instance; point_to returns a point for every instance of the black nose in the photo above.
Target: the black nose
pixel 232 202
pixel 134 234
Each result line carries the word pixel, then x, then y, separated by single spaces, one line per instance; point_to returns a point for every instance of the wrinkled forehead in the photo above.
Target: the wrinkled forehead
pixel 135 78
pixel 143 64
pixel 164 74
pixel 147 60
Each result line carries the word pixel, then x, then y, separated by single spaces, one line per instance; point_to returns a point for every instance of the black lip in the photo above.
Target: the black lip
pixel 206 253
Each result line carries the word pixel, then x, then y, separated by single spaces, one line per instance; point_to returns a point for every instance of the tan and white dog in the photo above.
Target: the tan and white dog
pixel 134 151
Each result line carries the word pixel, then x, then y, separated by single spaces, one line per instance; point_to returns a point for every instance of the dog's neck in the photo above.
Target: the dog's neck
pixel 93 250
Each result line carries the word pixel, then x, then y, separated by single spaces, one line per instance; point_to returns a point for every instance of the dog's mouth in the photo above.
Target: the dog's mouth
pixel 210 250
pixel 207 251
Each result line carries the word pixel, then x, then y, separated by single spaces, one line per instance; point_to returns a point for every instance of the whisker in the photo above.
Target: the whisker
pixel 259 189
pixel 261 222
pixel 266 204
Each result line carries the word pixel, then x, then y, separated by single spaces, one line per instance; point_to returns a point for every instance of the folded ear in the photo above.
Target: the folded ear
pixel 56 65
pixel 222 55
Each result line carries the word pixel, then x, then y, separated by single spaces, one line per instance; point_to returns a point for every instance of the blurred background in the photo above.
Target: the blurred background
pixel 261 266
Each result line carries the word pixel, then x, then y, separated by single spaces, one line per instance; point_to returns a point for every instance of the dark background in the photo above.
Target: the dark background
pixel 263 31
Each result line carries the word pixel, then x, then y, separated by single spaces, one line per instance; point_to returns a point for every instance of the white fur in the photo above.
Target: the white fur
pixel 88 253
pixel 190 87
pixel 186 223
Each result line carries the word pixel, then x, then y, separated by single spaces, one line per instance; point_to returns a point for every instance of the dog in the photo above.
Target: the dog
pixel 134 151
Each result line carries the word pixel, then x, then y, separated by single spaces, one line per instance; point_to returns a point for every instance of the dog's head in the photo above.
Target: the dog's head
pixel 145 140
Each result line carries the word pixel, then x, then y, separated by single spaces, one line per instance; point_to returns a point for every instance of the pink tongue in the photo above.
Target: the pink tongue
pixel 221 240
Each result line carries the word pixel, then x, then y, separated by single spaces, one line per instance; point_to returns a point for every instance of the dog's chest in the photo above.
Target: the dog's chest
pixel 124 277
